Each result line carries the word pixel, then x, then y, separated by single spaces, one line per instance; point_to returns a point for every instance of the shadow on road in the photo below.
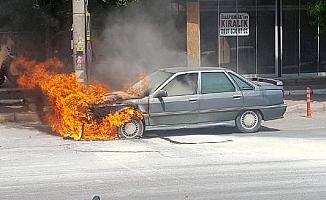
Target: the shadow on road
pixel 221 130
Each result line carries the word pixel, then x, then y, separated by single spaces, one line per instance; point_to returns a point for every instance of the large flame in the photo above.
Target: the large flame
pixel 69 101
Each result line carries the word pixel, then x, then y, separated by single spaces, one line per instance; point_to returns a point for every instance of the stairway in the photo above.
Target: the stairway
pixel 301 83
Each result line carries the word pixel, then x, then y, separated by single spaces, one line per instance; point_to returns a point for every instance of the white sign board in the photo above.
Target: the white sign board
pixel 234 24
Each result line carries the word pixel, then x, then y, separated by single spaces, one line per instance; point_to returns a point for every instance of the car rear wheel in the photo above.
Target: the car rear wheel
pixel 249 121
pixel 132 129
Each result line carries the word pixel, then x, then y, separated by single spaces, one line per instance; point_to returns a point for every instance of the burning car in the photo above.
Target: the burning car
pixel 189 97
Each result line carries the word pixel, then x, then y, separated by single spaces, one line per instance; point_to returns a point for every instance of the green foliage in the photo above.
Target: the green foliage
pixel 59 12
pixel 56 12
pixel 107 3
pixel 17 15
pixel 317 10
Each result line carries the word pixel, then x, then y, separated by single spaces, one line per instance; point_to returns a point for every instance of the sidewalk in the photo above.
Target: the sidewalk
pixel 296 104
pixel 296 94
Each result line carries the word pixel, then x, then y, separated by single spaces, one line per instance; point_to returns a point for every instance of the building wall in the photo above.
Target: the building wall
pixel 281 40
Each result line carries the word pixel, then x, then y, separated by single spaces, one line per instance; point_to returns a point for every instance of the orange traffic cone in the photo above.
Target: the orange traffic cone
pixel 308 103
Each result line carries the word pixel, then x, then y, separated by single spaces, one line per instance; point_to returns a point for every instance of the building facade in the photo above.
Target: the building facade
pixel 260 37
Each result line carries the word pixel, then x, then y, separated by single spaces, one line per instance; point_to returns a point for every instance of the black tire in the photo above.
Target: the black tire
pixel 2 79
pixel 11 79
pixel 248 121
pixel 132 129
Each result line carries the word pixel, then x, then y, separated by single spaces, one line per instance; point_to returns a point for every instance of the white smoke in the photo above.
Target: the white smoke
pixel 138 39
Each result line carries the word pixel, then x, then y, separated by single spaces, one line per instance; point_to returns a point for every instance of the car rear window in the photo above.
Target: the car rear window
pixel 243 85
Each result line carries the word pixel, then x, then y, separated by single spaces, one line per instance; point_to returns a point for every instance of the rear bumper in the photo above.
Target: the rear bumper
pixel 273 112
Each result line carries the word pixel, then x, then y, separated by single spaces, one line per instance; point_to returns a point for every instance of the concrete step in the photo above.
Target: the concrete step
pixel 19 117
pixel 9 102
pixel 301 83
pixel 14 93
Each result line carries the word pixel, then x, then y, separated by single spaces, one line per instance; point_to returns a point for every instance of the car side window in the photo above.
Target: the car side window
pixel 241 83
pixel 216 82
pixel 184 84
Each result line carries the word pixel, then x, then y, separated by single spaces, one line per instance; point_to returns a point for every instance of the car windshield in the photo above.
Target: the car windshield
pixel 148 84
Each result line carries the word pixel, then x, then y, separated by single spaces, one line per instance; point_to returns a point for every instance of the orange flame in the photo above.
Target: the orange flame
pixel 137 91
pixel 69 100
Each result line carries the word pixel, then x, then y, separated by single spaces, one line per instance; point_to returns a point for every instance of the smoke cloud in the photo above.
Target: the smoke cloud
pixel 138 39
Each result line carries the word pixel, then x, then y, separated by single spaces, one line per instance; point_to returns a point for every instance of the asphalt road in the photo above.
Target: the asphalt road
pixel 285 160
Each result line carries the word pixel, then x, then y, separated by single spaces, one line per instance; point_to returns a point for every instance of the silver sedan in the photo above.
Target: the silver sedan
pixel 189 97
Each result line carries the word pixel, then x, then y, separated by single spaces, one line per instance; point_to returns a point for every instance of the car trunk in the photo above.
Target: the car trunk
pixel 274 92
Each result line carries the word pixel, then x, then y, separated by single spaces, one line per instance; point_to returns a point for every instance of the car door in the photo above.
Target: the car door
pixel 181 103
pixel 251 97
pixel 219 99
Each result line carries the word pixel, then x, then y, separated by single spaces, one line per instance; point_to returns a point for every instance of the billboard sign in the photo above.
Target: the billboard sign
pixel 234 24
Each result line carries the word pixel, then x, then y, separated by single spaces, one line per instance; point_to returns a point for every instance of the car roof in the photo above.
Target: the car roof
pixel 191 69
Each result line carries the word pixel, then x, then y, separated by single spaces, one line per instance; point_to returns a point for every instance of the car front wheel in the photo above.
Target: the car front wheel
pixel 249 121
pixel 2 79
pixel 132 129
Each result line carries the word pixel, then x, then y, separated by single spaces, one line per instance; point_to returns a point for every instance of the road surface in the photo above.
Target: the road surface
pixel 285 160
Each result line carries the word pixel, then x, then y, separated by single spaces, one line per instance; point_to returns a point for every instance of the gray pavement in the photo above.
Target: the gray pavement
pixel 285 160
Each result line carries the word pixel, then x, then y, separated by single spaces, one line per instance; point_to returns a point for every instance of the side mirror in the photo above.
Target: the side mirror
pixel 161 93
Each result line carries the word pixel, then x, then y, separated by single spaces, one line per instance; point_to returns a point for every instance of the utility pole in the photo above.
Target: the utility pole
pixel 193 34
pixel 78 41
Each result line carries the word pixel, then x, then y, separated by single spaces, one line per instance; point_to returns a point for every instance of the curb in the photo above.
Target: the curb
pixel 302 107
pixel 303 92
pixel 19 117
pixel 33 117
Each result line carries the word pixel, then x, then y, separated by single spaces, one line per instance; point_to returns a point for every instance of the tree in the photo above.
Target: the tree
pixel 58 13
pixel 107 3
pixel 57 17
pixel 317 10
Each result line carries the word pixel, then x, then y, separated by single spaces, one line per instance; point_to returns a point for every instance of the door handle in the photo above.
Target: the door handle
pixel 193 99
pixel 236 96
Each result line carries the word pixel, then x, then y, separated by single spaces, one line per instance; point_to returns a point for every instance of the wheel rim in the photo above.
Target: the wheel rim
pixel 249 120
pixel 130 129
